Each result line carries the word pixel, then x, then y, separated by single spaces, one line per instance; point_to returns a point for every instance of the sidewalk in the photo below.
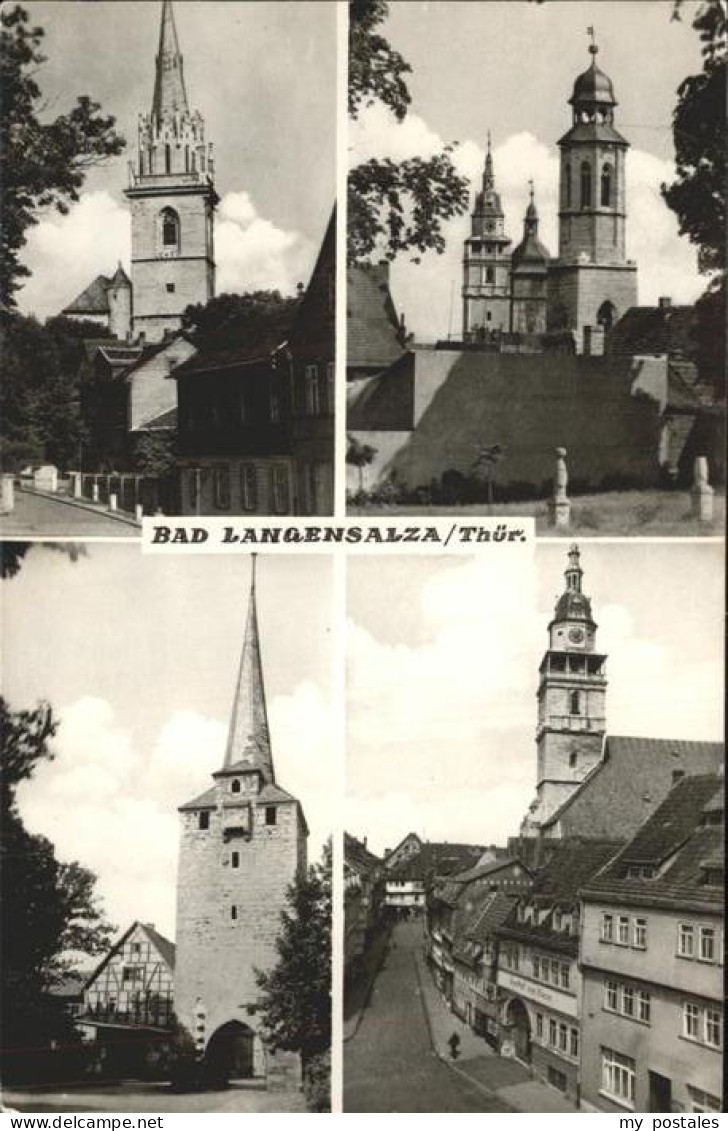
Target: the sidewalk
pixel 356 998
pixel 495 1075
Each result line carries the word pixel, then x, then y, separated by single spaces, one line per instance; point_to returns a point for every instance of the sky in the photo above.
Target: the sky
pixel 510 68
pixel 442 675
pixel 262 74
pixel 138 657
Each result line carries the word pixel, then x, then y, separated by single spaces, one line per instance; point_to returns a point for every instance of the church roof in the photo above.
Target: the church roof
pixel 593 131
pixel 593 85
pixel 170 95
pixel 92 300
pixel 248 743
pixel 634 775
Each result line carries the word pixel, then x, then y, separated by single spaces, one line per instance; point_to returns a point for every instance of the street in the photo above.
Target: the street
pixel 40 515
pixel 390 1064
pixel 143 1098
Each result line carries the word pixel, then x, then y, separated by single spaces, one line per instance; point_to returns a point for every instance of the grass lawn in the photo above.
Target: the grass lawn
pixel 647 514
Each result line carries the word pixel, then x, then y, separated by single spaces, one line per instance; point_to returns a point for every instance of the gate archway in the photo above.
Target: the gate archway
pixel 517 1017
pixel 230 1053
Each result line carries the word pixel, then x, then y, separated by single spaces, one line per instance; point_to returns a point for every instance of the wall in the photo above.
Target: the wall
pixel 151 390
pixel 197 486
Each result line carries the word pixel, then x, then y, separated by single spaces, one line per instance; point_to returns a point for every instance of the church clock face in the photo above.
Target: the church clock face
pixel 576 636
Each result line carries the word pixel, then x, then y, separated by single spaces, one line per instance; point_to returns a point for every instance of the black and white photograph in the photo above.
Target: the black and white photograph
pixel 534 851
pixel 166 834
pixel 168 290
pixel 535 236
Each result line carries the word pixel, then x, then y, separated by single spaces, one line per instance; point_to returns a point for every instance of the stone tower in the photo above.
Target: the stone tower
pixel 592 283
pixel 172 200
pixel 571 699
pixel 529 277
pixel 242 843
pixel 486 263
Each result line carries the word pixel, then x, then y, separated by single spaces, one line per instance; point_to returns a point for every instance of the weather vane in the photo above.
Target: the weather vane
pixel 593 45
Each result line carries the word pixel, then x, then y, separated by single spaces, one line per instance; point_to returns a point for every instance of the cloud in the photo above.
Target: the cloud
pixel 65 253
pixel 429 292
pixel 113 806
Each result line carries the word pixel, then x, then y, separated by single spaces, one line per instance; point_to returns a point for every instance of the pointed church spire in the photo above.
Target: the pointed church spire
pixel 488 178
pixel 248 744
pixel 170 95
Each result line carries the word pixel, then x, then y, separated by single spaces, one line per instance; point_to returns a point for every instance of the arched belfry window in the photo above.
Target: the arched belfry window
pixel 567 179
pixel 606 195
pixel 586 186
pixel 170 229
pixel 167 159
pixel 606 315
pixel 235 787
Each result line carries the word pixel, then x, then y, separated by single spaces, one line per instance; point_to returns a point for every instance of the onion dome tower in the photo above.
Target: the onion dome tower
pixel 529 277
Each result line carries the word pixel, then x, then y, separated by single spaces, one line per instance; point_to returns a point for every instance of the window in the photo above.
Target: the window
pixel 203 821
pixel 555 967
pixel 536 967
pixel 623 930
pixel 563 1037
pixel 639 934
pixel 611 989
pixel 170 228
pixel 311 389
pixel 167 159
pixel 606 194
pixel 235 860
pixel 249 487
pixel 707 944
pixel 170 288
pixel 618 1076
pixel 685 940
pixel 235 787
pixel 552 1032
pixel 703 1101
pixel 556 1079
pixel 714 1028
pixel 489 275
pixel 643 1006
pixel 607 928
pixel 280 489
pixel 575 703
pixel 233 911
pixel 572 758
pixel 564 976
pixel 628 1001
pixel 586 190
pixel 539 1026
pixel 270 814
pixel 691 1021
pixel 567 179
pixel 221 488
pixel 574 1043
pixel 131 974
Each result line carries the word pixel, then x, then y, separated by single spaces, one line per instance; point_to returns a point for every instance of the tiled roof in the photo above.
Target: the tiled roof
pixel 481 870
pixel 358 855
pixel 653 330
pixel 628 784
pixel 211 361
pixel 570 863
pixel 93 300
pixel 166 421
pixel 206 800
pixel 437 859
pixel 373 333
pixel 271 793
pixel 166 948
pixel 495 912
pixel 678 844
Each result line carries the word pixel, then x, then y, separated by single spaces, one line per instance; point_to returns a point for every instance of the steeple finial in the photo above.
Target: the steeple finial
pixel 574 572
pixel 593 49
pixel 248 744
pixel 170 95
pixel 530 190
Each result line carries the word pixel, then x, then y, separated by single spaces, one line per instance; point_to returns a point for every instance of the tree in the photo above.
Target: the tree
pixel 393 206
pixel 697 195
pixel 241 321
pixel 49 910
pixel 359 455
pixel 296 994
pixel 44 163
pixel 485 464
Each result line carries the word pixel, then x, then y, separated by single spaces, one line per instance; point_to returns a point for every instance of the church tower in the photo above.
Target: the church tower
pixel 529 277
pixel 172 200
pixel 243 841
pixel 593 283
pixel 486 263
pixel 571 699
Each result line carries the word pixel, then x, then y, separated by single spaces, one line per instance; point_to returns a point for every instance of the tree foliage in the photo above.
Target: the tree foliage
pixel 697 195
pixel 393 206
pixel 44 163
pixel 49 910
pixel 296 994
pixel 241 321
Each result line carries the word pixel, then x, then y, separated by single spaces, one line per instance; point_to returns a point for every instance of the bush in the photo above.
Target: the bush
pixel 184 1070
pixel 17 454
pixel 317 1082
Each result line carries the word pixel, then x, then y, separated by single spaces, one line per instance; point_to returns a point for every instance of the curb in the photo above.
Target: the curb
pixel 87 508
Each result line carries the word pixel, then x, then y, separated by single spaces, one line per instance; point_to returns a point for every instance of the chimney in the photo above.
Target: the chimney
pixel 364 841
pixel 664 302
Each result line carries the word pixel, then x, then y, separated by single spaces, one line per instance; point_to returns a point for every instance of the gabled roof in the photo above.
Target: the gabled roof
pixel 570 863
pixel 677 844
pixel 373 330
pixel 206 800
pixel 493 914
pixel 487 869
pixel 241 357
pixel 437 859
pixel 164 947
pixel 625 787
pixel 93 300
pixel 357 855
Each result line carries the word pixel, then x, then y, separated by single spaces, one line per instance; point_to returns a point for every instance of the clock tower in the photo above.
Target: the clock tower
pixel 571 698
